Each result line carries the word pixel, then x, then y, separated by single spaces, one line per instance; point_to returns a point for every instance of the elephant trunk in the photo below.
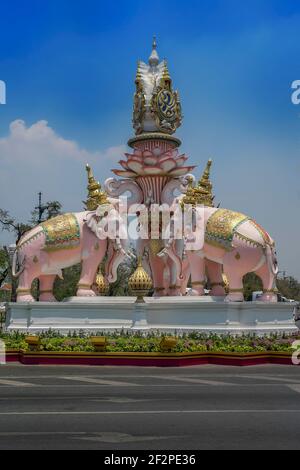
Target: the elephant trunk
pixel 171 251
pixel 118 255
pixel 15 273
pixel 271 260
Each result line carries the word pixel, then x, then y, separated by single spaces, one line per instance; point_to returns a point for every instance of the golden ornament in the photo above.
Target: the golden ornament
pixel 140 282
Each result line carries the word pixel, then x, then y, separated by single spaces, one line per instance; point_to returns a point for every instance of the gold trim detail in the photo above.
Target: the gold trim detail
pixel 61 232
pixel 153 136
pixel 84 286
pixel 198 283
pixel 221 227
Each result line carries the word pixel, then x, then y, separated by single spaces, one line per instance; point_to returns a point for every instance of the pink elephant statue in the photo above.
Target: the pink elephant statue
pixel 67 240
pixel 232 243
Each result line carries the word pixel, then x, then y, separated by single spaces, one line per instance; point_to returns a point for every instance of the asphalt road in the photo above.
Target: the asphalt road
pixel 114 408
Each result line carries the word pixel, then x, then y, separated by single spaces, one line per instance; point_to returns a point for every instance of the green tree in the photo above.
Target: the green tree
pixel 252 283
pixel 67 286
pixel 289 287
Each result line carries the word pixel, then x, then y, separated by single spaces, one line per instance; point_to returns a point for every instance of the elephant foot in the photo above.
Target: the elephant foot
pixel 197 290
pixel 234 297
pixel 218 291
pixel 85 293
pixel 47 298
pixel 269 297
pixel 160 292
pixel 174 292
pixel 25 298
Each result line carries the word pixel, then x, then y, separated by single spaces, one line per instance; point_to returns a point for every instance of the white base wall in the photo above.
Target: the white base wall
pixel 169 314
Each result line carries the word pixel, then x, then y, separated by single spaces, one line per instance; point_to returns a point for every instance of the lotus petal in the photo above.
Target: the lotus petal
pixel 147 153
pixel 169 154
pixel 134 166
pixel 123 164
pixel 124 174
pixel 152 161
pixel 181 171
pixel 180 160
pixel 156 151
pixel 133 157
pixel 153 170
pixel 138 153
pixel 168 165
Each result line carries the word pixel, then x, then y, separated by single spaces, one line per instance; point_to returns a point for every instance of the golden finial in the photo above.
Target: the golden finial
pixel 96 196
pixel 189 197
pixel 202 193
pixel 138 74
pixel 204 187
pixel 102 284
pixel 226 283
pixel 166 78
pixel 140 282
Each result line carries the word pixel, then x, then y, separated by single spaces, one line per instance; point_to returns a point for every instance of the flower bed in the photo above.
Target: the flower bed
pixel 52 341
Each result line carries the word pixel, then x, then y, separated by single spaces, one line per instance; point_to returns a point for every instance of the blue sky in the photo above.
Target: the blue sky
pixel 69 67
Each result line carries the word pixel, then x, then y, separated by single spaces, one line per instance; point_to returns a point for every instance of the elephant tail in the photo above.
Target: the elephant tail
pixel 15 261
pixel 271 259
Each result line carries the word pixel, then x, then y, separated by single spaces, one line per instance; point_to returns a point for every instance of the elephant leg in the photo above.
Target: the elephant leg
pixel 235 280
pixel 214 273
pixel 46 288
pixel 158 268
pixel 94 254
pixel 269 284
pixel 175 286
pixel 87 278
pixel 197 267
pixel 24 288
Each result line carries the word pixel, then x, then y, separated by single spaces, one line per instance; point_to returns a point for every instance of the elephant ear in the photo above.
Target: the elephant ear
pixel 92 221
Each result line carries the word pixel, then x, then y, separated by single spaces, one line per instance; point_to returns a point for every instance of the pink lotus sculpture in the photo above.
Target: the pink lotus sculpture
pixel 154 163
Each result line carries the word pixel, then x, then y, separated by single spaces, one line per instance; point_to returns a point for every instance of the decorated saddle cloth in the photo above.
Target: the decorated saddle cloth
pixel 61 232
pixel 221 227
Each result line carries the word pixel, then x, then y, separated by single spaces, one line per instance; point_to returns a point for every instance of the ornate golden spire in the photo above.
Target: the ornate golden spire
pixel 202 193
pixel 102 284
pixel 205 187
pixel 166 78
pixel 96 196
pixel 140 282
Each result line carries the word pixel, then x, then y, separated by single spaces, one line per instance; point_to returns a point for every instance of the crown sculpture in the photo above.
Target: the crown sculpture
pixel 153 173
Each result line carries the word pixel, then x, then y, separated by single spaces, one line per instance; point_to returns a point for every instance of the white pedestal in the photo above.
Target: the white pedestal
pixel 169 314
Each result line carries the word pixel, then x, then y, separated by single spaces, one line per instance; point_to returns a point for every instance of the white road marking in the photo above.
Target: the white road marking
pixel 198 381
pixel 272 378
pixel 141 412
pixel 98 381
pixel 15 383
pixel 295 388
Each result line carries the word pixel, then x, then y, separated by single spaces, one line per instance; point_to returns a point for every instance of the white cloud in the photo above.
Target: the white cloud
pixel 35 158
pixel 40 144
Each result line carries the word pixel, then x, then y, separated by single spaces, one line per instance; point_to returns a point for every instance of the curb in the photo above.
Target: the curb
pixel 147 359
